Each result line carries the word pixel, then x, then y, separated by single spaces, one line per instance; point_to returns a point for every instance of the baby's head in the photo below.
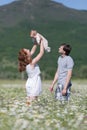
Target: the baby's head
pixel 33 33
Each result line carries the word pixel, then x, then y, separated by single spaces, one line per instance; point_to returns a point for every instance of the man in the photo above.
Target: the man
pixel 63 74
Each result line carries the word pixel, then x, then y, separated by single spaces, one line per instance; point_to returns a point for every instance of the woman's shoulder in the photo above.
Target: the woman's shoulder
pixel 27 66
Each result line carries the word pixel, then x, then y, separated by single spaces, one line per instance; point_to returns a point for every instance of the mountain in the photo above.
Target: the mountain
pixel 37 11
pixel 53 20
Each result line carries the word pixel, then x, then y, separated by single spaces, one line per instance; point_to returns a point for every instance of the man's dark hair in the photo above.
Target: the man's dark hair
pixel 67 48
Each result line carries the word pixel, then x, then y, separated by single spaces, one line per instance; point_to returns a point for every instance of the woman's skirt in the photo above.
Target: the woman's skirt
pixel 34 86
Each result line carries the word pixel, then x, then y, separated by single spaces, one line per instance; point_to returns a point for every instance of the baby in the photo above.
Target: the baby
pixel 38 38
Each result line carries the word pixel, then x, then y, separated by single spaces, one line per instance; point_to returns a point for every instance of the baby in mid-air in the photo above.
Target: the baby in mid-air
pixel 38 38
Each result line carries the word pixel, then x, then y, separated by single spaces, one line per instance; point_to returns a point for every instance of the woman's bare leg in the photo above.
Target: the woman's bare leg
pixel 30 99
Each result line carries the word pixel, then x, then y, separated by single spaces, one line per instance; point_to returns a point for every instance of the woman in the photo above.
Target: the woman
pixel 26 63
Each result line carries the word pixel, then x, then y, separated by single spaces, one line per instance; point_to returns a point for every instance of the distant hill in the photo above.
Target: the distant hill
pixel 37 11
pixel 55 21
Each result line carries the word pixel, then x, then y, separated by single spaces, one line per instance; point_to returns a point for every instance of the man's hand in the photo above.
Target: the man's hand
pixel 51 89
pixel 64 91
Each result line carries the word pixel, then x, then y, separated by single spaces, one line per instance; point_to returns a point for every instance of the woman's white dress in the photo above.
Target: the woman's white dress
pixel 33 84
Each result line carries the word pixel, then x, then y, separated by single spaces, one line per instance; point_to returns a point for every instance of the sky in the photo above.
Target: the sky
pixel 4 2
pixel 75 4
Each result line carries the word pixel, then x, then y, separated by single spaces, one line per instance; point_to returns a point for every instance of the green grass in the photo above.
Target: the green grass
pixel 14 38
pixel 44 114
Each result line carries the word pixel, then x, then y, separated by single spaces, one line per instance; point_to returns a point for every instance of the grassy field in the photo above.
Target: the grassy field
pixel 44 114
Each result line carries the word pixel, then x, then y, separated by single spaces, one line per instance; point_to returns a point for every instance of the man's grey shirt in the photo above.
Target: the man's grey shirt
pixel 64 64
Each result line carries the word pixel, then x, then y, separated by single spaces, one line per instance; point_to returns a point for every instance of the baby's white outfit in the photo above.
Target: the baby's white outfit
pixel 39 39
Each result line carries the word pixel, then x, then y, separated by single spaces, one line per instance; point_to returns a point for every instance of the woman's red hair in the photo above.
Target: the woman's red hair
pixel 23 60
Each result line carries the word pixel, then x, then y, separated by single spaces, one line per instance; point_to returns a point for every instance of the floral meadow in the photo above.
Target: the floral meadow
pixel 46 113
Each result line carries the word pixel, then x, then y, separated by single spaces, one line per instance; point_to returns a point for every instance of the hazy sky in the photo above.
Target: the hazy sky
pixel 3 2
pixel 76 4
